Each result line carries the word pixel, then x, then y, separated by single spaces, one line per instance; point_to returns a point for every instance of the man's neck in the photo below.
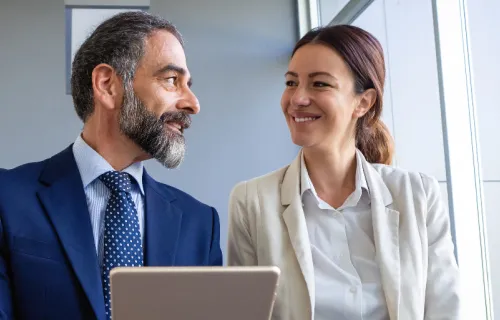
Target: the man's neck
pixel 113 146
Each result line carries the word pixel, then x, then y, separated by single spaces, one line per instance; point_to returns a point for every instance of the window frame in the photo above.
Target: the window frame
pixel 68 11
pixel 461 146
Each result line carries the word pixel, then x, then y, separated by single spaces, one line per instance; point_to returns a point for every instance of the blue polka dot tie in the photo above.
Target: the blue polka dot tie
pixel 122 236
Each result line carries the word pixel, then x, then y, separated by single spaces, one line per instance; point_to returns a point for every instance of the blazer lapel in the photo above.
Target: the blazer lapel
pixel 386 237
pixel 295 222
pixel 163 224
pixel 64 201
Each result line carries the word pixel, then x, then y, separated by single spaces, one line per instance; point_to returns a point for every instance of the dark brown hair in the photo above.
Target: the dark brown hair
pixel 365 57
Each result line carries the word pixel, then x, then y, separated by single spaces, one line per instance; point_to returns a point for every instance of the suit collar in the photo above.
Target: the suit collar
pixel 290 186
pixel 163 223
pixel 294 219
pixel 378 189
pixel 58 167
pixel 386 236
pixel 157 187
pixel 63 199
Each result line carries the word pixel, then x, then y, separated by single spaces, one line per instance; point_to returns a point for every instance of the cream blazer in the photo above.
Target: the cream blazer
pixel 412 238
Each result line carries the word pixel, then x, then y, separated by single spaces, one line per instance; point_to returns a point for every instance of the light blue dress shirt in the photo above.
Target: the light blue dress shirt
pixel 91 165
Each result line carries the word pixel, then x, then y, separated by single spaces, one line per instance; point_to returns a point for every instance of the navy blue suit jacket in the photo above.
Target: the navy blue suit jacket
pixel 48 261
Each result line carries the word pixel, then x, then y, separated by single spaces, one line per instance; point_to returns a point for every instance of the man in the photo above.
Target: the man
pixel 67 221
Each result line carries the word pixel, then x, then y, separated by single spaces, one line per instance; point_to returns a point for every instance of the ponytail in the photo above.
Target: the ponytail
pixel 375 142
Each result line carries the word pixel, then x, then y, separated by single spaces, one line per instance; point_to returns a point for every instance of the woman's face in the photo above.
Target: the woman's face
pixel 320 104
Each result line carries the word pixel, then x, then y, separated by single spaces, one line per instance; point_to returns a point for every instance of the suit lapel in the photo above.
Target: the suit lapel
pixel 295 222
pixel 386 234
pixel 386 237
pixel 163 224
pixel 64 201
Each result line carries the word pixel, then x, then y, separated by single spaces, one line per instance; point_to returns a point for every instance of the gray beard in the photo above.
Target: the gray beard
pixel 150 132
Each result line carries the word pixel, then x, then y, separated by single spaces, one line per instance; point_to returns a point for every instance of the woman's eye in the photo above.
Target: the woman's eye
pixel 290 83
pixel 321 84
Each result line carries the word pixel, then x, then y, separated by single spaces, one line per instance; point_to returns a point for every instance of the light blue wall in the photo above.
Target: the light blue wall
pixel 237 53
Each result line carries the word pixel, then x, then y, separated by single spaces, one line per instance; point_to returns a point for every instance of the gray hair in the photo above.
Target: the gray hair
pixel 119 42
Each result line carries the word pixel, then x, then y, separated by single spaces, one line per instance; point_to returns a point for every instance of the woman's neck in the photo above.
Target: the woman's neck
pixel 332 172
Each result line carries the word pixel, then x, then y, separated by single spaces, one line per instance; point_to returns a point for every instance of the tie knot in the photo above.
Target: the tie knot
pixel 117 181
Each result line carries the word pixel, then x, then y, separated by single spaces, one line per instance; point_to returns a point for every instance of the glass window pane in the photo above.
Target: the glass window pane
pixel 485 43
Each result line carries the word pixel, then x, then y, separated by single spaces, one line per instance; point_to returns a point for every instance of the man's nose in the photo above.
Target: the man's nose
pixel 189 103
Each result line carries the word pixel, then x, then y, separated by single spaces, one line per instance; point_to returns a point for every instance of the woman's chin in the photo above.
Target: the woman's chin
pixel 302 141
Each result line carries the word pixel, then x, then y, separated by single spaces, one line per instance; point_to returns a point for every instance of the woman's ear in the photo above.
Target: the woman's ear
pixel 366 101
pixel 107 86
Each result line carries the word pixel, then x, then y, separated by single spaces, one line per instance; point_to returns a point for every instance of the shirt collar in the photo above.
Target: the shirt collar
pixel 361 184
pixel 92 165
pixel 305 180
pixel 360 173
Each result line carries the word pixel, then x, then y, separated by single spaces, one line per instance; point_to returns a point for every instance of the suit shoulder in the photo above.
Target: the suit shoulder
pixel 271 179
pixel 184 198
pixel 392 171
pixel 19 182
pixel 391 175
pixel 28 172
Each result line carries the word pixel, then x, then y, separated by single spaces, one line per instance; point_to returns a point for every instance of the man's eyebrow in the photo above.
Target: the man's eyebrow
pixel 171 67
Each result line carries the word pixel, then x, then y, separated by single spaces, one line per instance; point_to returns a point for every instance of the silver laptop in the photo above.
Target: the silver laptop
pixel 192 293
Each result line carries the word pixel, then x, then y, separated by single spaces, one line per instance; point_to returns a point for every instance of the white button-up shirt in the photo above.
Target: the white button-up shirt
pixel 347 277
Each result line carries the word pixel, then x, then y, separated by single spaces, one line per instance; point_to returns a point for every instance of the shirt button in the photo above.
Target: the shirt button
pixel 354 289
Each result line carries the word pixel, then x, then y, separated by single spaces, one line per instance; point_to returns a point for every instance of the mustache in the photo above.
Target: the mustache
pixel 180 117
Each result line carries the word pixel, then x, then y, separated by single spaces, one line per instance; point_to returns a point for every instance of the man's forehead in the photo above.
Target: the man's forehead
pixel 163 48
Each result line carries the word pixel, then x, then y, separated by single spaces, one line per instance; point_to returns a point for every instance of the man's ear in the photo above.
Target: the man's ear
pixel 366 102
pixel 108 90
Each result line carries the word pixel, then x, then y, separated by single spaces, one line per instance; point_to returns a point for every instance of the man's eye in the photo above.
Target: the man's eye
pixel 290 83
pixel 170 80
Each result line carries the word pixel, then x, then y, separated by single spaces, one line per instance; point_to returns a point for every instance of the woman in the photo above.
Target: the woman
pixel 354 238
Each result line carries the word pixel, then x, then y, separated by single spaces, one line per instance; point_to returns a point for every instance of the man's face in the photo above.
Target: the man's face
pixel 157 106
